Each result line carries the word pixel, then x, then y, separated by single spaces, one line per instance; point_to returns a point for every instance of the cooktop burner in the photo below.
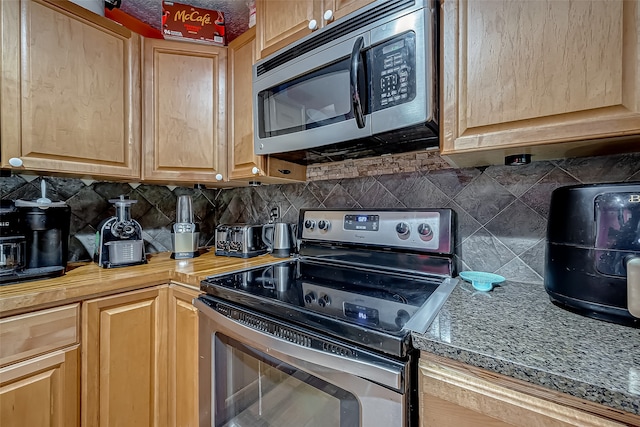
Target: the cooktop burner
pixel 372 294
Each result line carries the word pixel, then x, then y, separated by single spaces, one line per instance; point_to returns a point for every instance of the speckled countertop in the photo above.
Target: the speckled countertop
pixel 516 331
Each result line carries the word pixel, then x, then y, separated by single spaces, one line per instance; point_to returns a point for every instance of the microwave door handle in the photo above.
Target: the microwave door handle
pixel 356 70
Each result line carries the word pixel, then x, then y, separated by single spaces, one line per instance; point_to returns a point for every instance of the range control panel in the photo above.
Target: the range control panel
pixel 429 230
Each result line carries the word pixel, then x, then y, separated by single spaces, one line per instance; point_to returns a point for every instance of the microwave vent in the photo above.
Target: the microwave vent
pixel 334 32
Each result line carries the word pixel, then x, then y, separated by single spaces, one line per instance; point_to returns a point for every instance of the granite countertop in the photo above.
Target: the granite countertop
pixel 516 331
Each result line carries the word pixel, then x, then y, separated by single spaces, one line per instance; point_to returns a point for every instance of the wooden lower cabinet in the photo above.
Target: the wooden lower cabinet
pixel 124 363
pixel 42 391
pixel 458 395
pixel 39 368
pixel 140 359
pixel 183 357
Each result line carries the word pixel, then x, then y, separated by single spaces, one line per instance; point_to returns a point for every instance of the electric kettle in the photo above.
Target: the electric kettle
pixel 279 239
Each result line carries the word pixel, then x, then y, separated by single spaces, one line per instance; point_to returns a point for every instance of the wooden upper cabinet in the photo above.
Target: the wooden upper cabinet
pixel 548 77
pixel 242 158
pixel 243 163
pixel 342 8
pixel 281 22
pixel 69 90
pixel 184 112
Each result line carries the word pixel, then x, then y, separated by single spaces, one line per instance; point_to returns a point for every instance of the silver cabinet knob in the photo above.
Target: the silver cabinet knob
pixel 219 177
pixel 255 170
pixel 328 15
pixel 313 24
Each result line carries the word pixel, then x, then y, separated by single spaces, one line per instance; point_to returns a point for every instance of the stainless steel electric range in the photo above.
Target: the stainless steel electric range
pixel 325 339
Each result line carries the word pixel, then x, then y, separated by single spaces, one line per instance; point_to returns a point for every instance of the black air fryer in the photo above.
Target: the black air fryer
pixel 593 251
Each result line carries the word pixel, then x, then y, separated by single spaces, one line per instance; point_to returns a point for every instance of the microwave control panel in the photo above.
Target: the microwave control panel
pixel 393 72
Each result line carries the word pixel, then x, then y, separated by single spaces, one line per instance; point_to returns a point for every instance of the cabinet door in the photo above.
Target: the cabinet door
pixel 124 364
pixel 456 395
pixel 183 357
pixel 70 90
pixel 244 164
pixel 184 111
pixel 341 8
pixel 42 391
pixel 242 158
pixel 544 74
pixel 281 22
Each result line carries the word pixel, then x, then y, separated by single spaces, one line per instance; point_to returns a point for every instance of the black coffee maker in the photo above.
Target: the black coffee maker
pixel 40 228
pixel 12 242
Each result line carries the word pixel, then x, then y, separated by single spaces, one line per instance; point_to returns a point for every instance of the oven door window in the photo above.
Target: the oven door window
pixel 254 389
pixel 319 98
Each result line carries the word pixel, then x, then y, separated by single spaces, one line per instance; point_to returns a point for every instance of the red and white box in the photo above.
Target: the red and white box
pixel 185 22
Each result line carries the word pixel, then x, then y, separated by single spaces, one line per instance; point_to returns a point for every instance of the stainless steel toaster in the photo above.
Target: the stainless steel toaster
pixel 240 240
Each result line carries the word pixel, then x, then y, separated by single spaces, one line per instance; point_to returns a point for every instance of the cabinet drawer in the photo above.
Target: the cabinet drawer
pixel 30 334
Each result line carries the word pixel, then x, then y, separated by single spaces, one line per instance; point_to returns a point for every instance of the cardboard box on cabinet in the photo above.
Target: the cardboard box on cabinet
pixel 181 21
pixel 203 21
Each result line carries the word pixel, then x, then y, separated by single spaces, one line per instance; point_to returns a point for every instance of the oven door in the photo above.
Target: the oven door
pixel 255 370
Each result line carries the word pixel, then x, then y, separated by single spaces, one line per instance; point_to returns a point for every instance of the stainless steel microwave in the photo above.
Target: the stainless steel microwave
pixel 363 86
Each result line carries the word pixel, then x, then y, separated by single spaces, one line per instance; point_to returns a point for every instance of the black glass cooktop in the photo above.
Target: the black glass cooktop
pixel 361 305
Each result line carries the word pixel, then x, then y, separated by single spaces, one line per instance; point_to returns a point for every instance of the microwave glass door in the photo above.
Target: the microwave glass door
pixel 317 99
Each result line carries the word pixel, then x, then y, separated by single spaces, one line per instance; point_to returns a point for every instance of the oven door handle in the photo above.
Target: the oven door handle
pixel 386 372
pixel 357 75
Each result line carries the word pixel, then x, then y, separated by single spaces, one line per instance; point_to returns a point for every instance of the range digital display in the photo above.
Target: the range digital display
pixel 362 222
pixel 362 314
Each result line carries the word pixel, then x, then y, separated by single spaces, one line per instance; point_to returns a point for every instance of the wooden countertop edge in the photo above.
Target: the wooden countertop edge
pixel 87 281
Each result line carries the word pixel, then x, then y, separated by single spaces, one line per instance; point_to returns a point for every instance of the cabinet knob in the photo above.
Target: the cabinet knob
pixel 328 15
pixel 313 24
pixel 16 162
pixel 219 177
pixel 255 170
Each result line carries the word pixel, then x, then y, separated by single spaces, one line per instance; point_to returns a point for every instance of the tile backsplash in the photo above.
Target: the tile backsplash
pixel 501 210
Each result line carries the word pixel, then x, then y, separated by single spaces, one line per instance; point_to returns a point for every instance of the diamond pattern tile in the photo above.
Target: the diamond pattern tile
pixel 484 198
pixel 501 210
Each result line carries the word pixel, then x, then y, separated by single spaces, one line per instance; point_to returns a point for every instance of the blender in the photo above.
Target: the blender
pixel 184 233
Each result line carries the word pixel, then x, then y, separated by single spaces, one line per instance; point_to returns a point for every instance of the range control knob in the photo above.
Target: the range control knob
pixel 402 228
pixel 323 225
pixel 324 301
pixel 309 224
pixel 402 317
pixel 425 231
pixel 310 298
